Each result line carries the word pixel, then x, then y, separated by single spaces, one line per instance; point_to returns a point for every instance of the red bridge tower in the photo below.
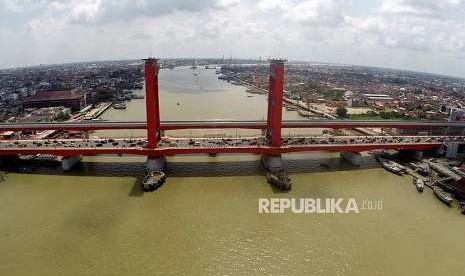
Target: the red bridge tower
pixel 275 101
pixel 152 101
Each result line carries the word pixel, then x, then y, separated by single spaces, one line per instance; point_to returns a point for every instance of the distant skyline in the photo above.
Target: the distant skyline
pixel 418 35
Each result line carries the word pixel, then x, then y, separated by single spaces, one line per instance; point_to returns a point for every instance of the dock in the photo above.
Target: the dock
pixel 97 111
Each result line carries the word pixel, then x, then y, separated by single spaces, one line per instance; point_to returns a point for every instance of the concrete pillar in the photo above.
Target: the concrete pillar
pixel 452 150
pixel 416 154
pixel 273 162
pixel 155 163
pixel 440 151
pixel 355 158
pixel 68 162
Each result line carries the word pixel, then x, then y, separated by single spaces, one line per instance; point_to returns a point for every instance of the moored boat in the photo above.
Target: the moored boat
pixel 424 169
pixel 392 167
pixel 462 207
pixel 443 196
pixel 279 179
pixel 121 105
pixel 419 184
pixel 153 180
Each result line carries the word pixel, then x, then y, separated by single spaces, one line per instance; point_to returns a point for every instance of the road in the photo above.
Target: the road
pixel 221 124
pixel 257 144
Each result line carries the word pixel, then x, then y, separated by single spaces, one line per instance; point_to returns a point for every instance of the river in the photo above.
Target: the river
pixel 95 220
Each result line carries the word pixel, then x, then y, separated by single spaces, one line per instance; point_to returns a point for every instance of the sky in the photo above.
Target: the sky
pixel 420 35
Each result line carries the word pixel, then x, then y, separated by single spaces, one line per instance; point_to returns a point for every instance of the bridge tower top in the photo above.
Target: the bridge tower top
pixel 278 61
pixel 150 60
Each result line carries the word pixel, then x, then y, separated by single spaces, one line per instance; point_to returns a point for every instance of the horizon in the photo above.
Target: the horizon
pixel 238 58
pixel 420 36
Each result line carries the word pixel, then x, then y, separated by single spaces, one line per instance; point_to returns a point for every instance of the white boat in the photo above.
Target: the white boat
pixel 392 167
pixel 120 106
pixel 420 184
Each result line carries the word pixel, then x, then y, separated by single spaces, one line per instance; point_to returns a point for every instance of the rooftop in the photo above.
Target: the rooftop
pixel 70 94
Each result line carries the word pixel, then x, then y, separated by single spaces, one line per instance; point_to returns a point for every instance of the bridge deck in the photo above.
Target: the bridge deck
pixel 176 125
pixel 255 145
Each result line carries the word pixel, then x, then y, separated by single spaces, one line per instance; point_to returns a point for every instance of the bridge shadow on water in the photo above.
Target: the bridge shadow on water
pixel 200 169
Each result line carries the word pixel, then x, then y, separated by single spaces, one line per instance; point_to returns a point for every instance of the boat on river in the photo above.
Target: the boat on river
pixel 153 180
pixel 419 184
pixel 279 180
pixel 121 105
pixel 424 169
pixel 392 166
pixel 443 196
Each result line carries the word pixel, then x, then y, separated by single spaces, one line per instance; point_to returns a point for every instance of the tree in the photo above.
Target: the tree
pixel 341 111
pixel 62 116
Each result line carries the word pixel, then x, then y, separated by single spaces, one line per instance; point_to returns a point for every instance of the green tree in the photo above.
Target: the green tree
pixel 341 111
pixel 62 117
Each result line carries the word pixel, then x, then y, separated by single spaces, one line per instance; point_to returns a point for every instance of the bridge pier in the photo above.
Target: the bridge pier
pixel 155 163
pixel 68 162
pixel 416 154
pixel 452 150
pixel 355 158
pixel 273 162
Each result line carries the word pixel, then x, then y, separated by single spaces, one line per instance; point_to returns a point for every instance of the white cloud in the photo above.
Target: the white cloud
pixel 324 12
pixel 226 3
pixel 84 10
pixel 408 33
pixel 11 5
pixel 426 8
pixel 266 5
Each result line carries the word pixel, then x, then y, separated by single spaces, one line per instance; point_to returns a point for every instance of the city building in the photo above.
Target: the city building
pixel 72 98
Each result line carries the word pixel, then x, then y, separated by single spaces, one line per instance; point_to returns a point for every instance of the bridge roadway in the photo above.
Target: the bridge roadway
pixel 256 145
pixel 221 124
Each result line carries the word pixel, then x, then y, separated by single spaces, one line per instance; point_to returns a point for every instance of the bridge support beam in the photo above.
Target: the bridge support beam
pixel 155 163
pixel 355 158
pixel 152 105
pixel 275 101
pixel 68 162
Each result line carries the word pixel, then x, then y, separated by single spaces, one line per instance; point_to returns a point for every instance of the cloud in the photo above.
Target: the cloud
pixel 321 12
pixel 405 32
pixel 21 6
pixel 221 4
pixel 107 11
pixel 415 25
pixel 84 10
pixel 266 5
pixel 423 8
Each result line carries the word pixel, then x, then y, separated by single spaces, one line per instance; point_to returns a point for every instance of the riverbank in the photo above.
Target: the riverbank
pixel 301 107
